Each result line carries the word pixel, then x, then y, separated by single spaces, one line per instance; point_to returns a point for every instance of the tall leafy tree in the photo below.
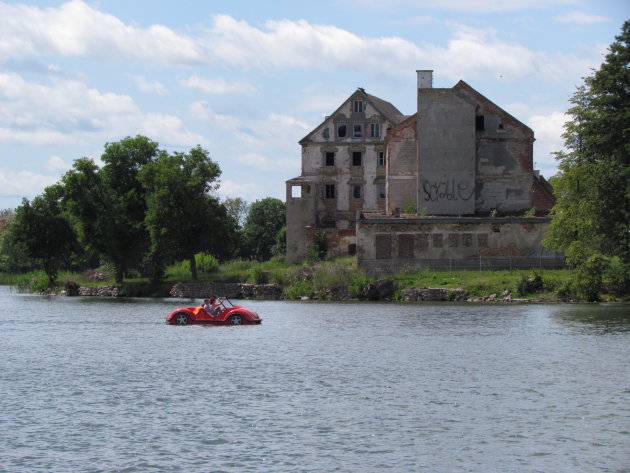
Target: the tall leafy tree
pixel 42 229
pixel 183 218
pixel 263 228
pixel 108 204
pixel 592 214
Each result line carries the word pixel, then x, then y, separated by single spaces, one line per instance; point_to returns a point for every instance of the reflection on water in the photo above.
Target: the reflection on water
pixel 90 385
pixel 600 318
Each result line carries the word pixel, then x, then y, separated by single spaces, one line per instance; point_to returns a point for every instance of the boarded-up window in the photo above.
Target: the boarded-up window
pixel 467 239
pixel 453 240
pixel 437 240
pixel 482 240
pixel 422 240
pixel 405 246
pixel 383 246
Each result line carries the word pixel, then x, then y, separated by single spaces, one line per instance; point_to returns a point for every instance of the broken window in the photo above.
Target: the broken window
pixel 382 193
pixel 467 239
pixel 437 240
pixel 352 249
pixel 479 123
pixel 357 158
pixel 381 159
pixel 375 130
pixel 341 130
pixel 357 130
pixel 453 240
pixel 329 158
pixel 357 192
pixel 383 246
pixel 357 106
pixel 330 191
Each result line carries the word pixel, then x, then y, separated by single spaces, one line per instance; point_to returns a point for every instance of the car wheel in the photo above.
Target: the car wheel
pixel 236 319
pixel 181 318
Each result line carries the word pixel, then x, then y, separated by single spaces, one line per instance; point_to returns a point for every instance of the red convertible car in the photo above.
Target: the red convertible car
pixel 229 314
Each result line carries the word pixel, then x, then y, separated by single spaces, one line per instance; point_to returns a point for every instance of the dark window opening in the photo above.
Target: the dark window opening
pixel 383 246
pixel 330 191
pixel 500 126
pixel 480 123
pixel 375 130
pixel 357 130
pixel 358 106
pixel 341 130
pixel 381 159
pixel 405 246
pixel 437 240
pixel 382 192
pixel 357 192
pixel 357 158
pixel 352 249
pixel 330 158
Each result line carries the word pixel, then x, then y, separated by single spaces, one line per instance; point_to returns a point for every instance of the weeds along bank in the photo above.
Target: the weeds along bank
pixel 338 280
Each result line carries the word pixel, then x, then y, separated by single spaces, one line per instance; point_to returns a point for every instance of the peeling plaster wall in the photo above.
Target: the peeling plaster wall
pixel 390 240
pixel 402 165
pixel 446 152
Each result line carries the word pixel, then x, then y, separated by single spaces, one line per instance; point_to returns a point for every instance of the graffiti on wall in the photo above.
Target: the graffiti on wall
pixel 447 189
pixel 509 250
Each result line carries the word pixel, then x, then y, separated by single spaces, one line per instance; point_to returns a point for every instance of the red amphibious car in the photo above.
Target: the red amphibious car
pixel 229 315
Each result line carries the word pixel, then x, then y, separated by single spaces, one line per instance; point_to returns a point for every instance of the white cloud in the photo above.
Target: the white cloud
pixel 474 6
pixel 76 29
pixel 217 85
pixel 67 112
pixel 548 130
pixel 153 87
pixel 55 163
pixel 24 183
pixel 580 18
pixel 238 189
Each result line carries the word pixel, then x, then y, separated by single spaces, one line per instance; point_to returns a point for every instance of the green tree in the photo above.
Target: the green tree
pixel 45 233
pixel 237 208
pixel 183 218
pixel 108 204
pixel 592 213
pixel 265 220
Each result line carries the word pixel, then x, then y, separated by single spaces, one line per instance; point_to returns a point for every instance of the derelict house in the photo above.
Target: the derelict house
pixel 452 186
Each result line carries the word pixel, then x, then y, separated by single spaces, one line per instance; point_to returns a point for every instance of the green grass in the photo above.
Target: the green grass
pixel 328 279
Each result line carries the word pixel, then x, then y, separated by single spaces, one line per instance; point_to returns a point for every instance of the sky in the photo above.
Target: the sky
pixel 247 79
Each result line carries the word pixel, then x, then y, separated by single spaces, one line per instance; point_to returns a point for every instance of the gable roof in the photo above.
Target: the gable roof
pixel 480 98
pixel 385 108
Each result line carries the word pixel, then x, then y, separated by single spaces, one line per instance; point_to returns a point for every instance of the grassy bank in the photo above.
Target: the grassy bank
pixel 339 279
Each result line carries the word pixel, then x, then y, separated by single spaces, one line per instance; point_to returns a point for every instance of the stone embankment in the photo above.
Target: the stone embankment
pixel 230 290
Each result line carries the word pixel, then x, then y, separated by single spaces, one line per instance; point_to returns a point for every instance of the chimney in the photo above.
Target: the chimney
pixel 425 79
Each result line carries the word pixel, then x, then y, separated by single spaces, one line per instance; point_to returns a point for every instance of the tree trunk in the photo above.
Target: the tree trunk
pixel 120 271
pixel 193 267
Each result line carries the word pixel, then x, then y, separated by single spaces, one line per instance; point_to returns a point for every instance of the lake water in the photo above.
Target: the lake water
pixel 93 385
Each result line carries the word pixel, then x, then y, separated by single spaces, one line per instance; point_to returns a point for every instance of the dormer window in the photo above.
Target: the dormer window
pixel 357 106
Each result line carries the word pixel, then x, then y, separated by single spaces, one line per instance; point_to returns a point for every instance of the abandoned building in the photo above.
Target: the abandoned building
pixel 452 186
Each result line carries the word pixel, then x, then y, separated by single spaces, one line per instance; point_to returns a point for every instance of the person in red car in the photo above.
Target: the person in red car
pixel 213 306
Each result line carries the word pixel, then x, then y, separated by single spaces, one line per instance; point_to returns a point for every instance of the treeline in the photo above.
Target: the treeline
pixel 140 211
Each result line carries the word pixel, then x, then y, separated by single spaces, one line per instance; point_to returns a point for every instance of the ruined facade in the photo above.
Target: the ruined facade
pixel 437 184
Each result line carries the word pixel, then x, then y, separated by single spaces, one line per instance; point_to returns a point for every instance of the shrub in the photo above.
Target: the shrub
pixel 259 275
pixel 587 278
pixel 529 284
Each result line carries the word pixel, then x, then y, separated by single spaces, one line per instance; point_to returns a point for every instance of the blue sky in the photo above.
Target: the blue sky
pixel 247 79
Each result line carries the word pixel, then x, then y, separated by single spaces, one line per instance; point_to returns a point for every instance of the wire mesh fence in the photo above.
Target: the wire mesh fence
pixel 478 263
